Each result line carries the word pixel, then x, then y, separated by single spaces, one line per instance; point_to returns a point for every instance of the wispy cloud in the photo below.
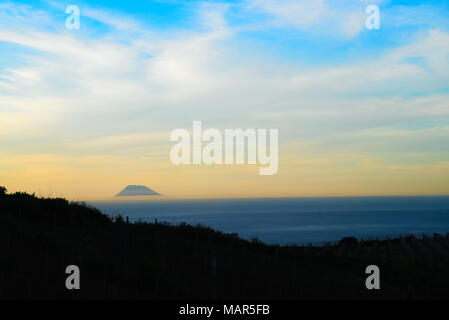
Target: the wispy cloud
pixel 85 92
pixel 321 17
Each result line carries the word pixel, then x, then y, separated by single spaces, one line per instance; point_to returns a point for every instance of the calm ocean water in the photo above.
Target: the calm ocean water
pixel 298 220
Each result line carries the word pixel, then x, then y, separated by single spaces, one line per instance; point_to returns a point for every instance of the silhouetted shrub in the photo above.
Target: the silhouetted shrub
pixel 348 242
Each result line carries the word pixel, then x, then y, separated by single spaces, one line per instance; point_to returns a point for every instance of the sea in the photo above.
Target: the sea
pixel 298 221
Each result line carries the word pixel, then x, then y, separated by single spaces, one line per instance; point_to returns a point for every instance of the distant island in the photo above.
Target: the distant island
pixel 137 190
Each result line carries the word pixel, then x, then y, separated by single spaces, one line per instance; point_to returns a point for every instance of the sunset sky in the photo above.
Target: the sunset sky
pixel 83 113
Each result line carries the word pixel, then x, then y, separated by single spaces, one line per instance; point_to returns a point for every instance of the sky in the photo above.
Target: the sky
pixel 359 112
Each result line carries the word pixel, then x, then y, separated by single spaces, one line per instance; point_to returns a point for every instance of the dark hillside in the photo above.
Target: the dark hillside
pixel 40 237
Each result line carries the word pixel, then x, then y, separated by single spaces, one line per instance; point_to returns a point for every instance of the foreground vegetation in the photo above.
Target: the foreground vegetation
pixel 40 237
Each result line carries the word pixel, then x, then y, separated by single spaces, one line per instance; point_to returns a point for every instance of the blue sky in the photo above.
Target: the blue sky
pixel 337 92
pixel 276 32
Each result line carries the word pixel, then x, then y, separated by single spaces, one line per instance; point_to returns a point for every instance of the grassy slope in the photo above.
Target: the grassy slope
pixel 40 237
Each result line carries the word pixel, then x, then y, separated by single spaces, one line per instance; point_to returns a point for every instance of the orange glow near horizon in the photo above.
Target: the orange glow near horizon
pixel 101 178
